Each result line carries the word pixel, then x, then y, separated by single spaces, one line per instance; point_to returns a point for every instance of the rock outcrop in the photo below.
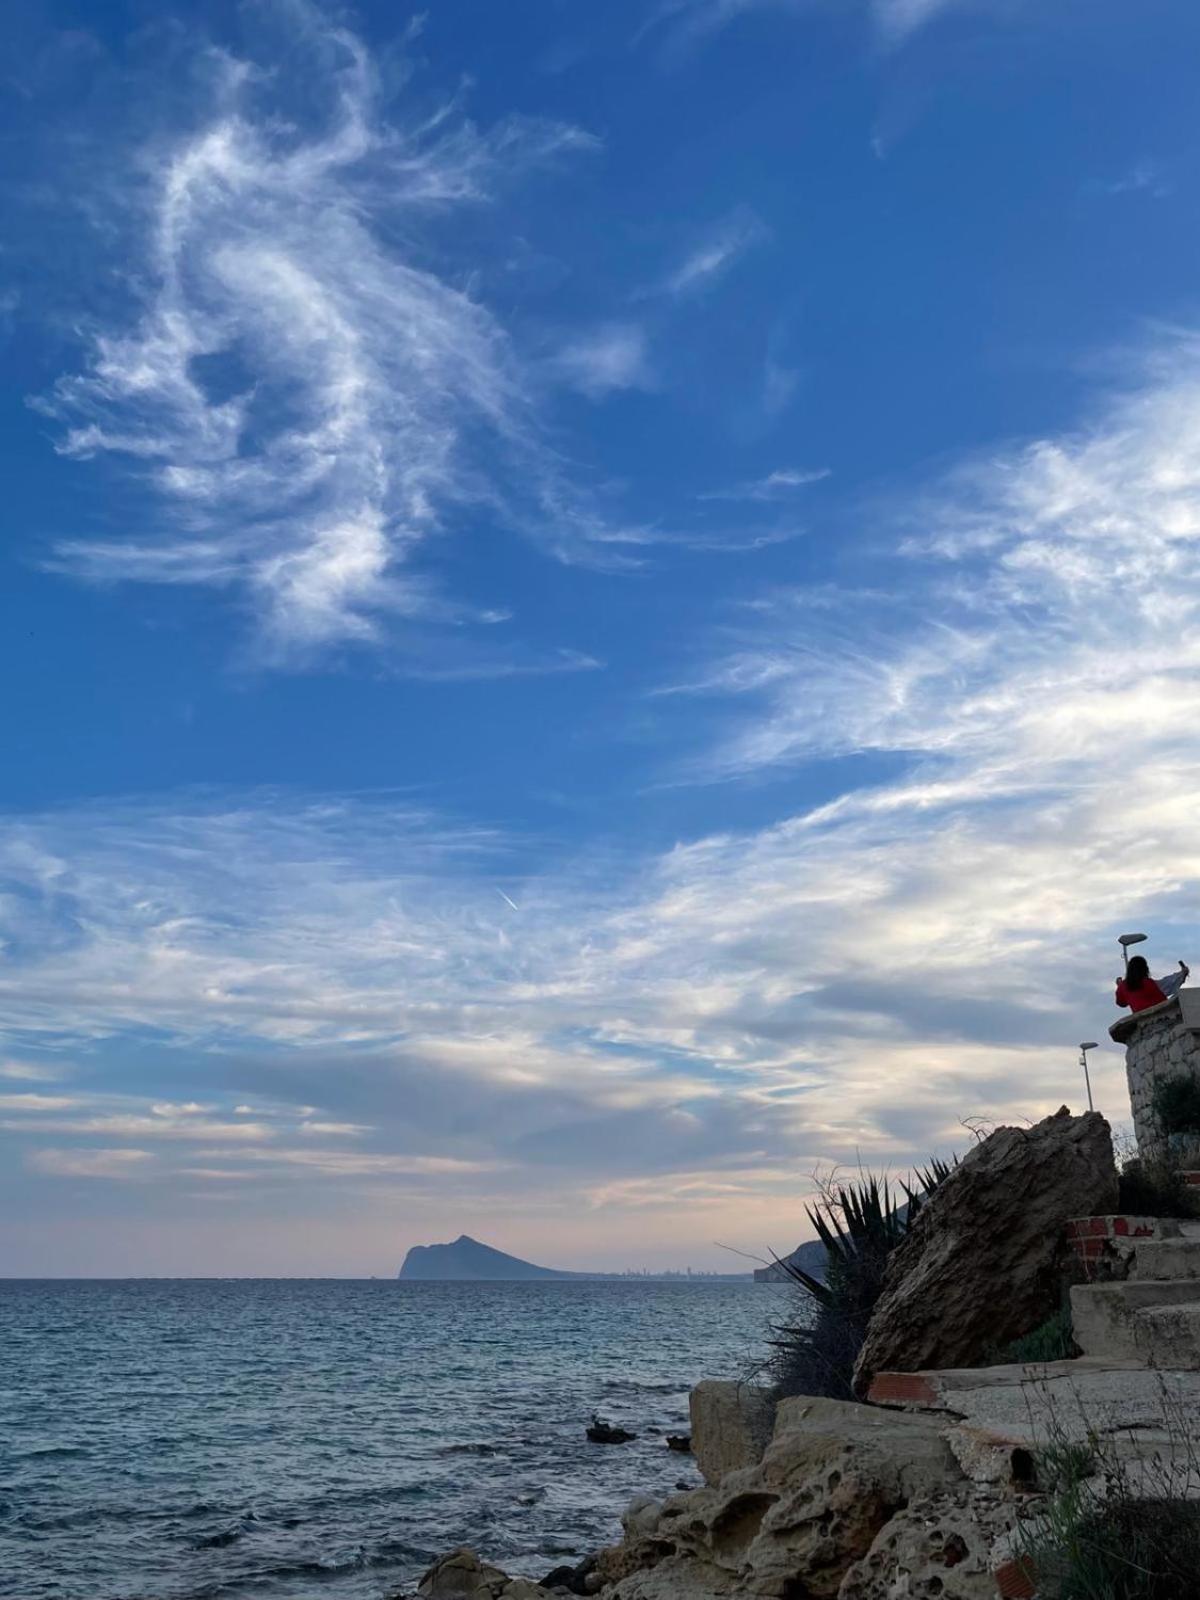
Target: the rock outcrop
pixel 983 1263
pixel 731 1426
pixel 847 1502
pixel 461 1575
pixel 833 1477
pixel 940 1547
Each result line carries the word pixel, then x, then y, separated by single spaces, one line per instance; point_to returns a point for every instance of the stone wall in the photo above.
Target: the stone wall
pixel 1163 1042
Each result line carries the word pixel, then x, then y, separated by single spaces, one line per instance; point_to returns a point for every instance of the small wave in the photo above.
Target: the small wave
pixel 55 1452
pixel 632 1386
pixel 218 1541
pixel 470 1450
pixel 320 1570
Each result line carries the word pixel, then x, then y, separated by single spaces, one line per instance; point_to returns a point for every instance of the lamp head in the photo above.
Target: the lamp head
pixel 1130 938
pixel 1090 1045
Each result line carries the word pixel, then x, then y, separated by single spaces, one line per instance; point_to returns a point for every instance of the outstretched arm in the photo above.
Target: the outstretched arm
pixel 1172 984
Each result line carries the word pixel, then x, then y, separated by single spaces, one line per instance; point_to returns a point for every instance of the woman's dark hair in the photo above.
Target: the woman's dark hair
pixel 1136 972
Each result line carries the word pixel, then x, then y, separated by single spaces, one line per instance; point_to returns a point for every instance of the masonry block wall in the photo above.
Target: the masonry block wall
pixel 1163 1042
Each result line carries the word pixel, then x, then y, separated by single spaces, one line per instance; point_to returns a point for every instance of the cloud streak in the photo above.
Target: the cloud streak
pixel 714 254
pixel 612 358
pixel 1013 705
pixel 307 398
pixel 778 485
pixel 686 24
pixel 897 19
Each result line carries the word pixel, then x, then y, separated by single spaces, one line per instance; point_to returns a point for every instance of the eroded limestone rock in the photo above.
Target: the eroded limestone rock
pixel 940 1547
pixel 983 1262
pixel 833 1475
pixel 731 1426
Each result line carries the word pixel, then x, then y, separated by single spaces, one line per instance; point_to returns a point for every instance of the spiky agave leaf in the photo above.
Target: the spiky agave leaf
pixel 859 1224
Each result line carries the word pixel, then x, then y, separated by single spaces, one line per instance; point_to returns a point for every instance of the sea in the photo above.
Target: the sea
pixel 282 1439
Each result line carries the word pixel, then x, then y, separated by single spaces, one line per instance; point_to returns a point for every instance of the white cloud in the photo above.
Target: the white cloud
pixel 307 397
pixel 1144 177
pixel 1015 699
pixel 777 485
pixel 899 18
pixel 688 23
pixel 608 359
pixel 120 1164
pixel 131 1125
pixel 27 1072
pixel 35 1102
pixel 713 256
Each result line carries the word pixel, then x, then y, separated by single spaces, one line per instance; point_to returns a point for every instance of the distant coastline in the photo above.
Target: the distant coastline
pixel 466 1260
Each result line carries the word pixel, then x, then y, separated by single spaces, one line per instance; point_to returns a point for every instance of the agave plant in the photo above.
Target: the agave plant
pixel 859 1224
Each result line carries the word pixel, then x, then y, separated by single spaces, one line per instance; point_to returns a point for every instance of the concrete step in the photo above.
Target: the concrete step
pixel 1169 1336
pixel 1105 1314
pixel 1161 1259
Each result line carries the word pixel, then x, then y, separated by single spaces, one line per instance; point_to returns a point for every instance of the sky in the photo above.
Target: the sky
pixel 600 605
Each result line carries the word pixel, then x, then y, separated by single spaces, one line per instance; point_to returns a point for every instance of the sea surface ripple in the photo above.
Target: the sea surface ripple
pixel 279 1439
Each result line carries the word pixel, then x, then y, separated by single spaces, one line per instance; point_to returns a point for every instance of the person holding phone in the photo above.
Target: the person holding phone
pixel 1139 991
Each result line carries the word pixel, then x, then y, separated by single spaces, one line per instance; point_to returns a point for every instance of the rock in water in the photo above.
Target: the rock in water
pixel 461 1575
pixel 983 1263
pixel 604 1433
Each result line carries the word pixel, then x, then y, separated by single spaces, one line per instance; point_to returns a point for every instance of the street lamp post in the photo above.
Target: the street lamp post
pixel 1126 939
pixel 1083 1050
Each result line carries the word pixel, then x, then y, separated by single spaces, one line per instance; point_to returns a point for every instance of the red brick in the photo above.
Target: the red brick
pixel 902 1388
pixel 1088 1227
pixel 1015 1580
pixel 1120 1226
pixel 1193 1178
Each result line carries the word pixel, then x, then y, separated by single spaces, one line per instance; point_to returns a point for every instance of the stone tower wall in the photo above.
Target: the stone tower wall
pixel 1163 1042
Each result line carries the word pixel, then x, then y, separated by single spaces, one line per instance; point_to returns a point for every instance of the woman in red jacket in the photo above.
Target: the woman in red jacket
pixel 1138 990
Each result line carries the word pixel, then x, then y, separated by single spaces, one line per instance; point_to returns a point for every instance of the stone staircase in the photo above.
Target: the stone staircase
pixel 1153 1316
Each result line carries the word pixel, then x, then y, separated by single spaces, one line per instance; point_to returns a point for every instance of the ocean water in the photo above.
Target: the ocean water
pixel 294 1439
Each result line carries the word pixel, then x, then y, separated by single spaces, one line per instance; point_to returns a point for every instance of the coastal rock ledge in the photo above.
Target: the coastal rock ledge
pixel 848 1502
pixel 840 1501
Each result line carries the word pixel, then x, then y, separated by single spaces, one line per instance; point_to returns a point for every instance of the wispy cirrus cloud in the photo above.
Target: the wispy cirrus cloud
pixel 897 19
pixel 714 254
pixel 28 1072
pixel 608 359
pixel 780 484
pixel 307 398
pixel 1012 763
pixel 685 24
pixel 120 1164
pixel 1144 177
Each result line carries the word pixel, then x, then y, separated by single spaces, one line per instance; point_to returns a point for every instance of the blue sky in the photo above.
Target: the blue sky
pixel 600 608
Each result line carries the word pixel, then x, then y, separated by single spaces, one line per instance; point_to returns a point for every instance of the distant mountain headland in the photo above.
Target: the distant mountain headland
pixel 812 1258
pixel 466 1260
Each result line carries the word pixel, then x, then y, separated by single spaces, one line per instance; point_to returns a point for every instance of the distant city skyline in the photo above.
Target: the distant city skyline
pixel 600 610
